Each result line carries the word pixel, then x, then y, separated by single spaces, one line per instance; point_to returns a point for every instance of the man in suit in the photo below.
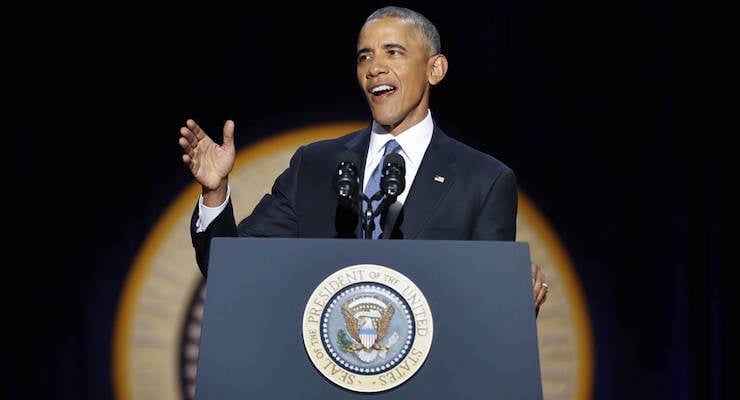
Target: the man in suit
pixel 453 191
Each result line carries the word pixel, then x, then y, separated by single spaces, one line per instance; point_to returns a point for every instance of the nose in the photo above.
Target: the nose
pixel 376 67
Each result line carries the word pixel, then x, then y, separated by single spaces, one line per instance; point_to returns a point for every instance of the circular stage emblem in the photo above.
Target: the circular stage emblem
pixel 367 328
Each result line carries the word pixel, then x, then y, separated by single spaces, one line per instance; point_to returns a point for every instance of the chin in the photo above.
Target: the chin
pixel 385 119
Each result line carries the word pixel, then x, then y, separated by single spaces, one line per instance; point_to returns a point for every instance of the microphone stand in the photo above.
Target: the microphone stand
pixel 368 216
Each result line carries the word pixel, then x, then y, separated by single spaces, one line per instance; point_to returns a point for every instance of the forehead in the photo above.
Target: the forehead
pixel 387 30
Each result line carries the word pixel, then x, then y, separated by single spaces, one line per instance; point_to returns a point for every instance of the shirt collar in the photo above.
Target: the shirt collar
pixel 414 140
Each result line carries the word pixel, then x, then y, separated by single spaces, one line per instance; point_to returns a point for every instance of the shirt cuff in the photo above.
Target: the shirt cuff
pixel 206 214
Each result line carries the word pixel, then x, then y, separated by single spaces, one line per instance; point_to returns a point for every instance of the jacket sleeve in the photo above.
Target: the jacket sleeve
pixel 223 226
pixel 497 219
pixel 274 216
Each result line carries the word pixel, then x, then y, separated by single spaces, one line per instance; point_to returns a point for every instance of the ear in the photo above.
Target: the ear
pixel 437 68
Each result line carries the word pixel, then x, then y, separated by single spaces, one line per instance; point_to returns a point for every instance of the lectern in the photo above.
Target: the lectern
pixel 352 319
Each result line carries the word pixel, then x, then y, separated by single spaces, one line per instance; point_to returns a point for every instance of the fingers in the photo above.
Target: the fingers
pixel 194 134
pixel 541 295
pixel 229 133
pixel 188 138
pixel 188 143
pixel 190 135
pixel 539 287
pixel 537 277
pixel 197 146
pixel 195 128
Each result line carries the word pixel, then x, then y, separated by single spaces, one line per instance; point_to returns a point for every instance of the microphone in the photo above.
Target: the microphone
pixel 393 178
pixel 346 180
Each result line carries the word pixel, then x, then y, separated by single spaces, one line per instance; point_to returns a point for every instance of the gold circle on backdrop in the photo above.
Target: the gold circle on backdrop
pixel 157 328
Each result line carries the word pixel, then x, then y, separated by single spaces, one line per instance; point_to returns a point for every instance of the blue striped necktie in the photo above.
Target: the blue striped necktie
pixel 373 184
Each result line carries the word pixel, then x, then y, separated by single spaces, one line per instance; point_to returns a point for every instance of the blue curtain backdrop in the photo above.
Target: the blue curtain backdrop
pixel 614 115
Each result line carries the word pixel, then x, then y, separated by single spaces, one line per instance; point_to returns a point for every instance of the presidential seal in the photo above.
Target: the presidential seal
pixel 367 328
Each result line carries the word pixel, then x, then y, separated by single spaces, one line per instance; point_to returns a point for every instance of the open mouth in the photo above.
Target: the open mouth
pixel 382 90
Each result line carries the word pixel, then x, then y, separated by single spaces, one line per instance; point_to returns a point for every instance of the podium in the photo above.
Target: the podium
pixel 347 319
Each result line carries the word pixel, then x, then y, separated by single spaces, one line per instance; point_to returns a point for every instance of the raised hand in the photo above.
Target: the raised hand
pixel 209 162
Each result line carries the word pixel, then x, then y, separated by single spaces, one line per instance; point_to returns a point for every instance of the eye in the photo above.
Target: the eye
pixel 363 57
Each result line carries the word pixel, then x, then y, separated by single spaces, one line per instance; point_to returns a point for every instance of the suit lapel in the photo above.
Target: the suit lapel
pixel 432 182
pixel 359 145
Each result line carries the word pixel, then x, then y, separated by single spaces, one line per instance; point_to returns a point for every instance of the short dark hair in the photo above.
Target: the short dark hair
pixel 423 24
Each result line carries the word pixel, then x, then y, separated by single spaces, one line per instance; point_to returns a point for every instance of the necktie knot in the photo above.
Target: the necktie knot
pixel 391 146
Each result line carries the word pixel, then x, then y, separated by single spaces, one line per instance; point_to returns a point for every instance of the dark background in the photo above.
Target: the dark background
pixel 616 116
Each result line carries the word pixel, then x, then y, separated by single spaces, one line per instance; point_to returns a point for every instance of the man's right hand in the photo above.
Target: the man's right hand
pixel 209 163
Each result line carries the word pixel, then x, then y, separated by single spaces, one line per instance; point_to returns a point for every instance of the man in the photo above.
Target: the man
pixel 399 59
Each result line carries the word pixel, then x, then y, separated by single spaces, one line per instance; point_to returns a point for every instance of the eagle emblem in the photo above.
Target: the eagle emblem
pixel 367 319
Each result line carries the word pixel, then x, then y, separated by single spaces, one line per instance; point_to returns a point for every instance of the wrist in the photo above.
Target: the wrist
pixel 215 197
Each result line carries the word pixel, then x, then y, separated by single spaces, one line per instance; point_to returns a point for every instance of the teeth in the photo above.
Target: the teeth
pixel 381 88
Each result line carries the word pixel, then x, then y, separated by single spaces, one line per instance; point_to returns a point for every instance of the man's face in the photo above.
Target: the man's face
pixel 393 66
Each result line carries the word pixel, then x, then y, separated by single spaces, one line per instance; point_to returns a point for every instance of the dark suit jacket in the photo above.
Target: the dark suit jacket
pixel 476 201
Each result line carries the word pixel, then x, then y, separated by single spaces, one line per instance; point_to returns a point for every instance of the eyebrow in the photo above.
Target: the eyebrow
pixel 389 46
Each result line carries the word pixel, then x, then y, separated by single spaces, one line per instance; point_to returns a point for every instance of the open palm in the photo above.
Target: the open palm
pixel 209 162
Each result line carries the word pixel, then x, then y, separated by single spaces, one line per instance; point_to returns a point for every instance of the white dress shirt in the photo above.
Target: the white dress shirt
pixel 414 142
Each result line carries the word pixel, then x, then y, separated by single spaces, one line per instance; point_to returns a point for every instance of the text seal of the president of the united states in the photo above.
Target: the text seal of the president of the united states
pixel 367 328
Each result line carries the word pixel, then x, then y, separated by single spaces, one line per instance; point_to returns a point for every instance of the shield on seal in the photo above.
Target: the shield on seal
pixel 368 333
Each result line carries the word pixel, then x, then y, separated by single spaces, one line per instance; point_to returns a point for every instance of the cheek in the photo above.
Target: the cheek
pixel 414 77
pixel 414 85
